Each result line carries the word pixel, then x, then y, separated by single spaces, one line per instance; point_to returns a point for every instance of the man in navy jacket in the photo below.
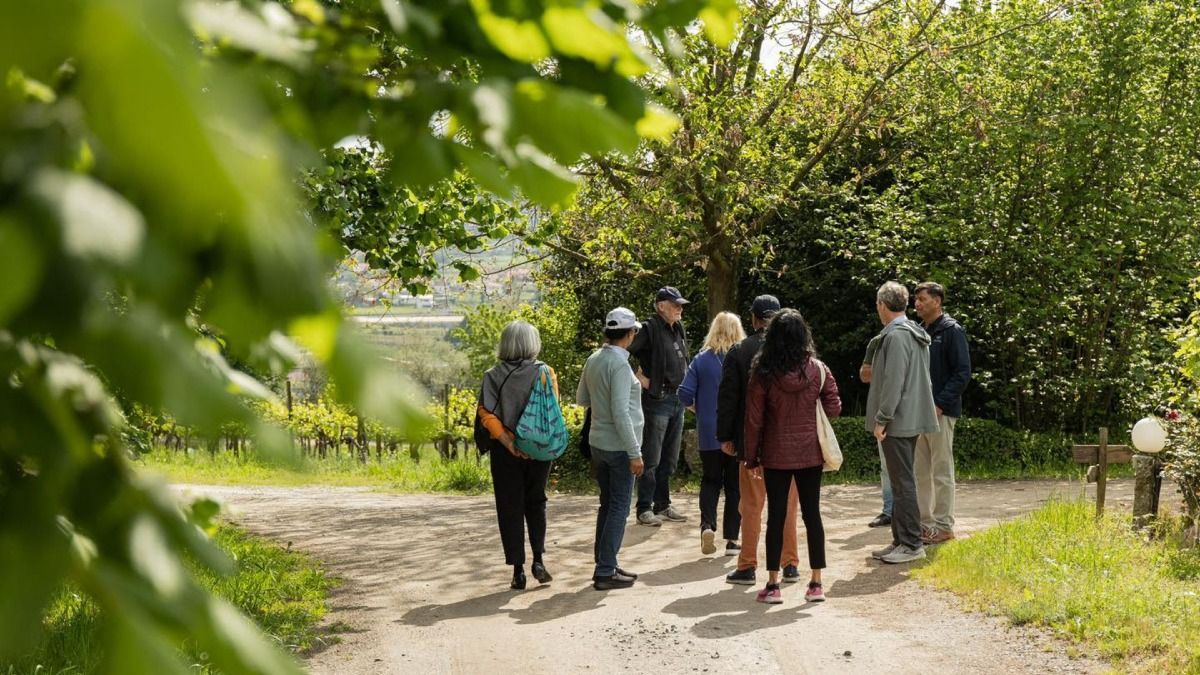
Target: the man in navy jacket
pixel 949 373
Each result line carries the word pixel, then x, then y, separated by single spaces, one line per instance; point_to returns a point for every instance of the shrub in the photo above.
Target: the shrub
pixel 1182 460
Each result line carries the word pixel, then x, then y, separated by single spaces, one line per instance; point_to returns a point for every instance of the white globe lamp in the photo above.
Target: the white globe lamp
pixel 1149 436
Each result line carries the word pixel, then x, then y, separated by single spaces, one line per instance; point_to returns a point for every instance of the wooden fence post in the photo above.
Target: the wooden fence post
pixel 1102 478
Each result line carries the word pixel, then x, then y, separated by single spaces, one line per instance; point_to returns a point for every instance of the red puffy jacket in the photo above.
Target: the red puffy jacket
pixel 781 417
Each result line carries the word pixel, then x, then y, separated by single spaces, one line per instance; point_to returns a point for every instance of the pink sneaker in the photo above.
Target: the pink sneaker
pixel 814 592
pixel 771 595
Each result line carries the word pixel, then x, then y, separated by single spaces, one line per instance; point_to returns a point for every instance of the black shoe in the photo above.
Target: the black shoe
pixel 881 520
pixel 791 574
pixel 518 581
pixel 611 583
pixel 620 573
pixel 539 572
pixel 741 577
pixel 732 548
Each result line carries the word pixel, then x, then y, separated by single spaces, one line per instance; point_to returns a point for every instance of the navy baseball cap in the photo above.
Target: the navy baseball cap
pixel 765 306
pixel 670 293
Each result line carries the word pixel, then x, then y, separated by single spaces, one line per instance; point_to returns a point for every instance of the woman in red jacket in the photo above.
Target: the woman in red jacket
pixel 781 439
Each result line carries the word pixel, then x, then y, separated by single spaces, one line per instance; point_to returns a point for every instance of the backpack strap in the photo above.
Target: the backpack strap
pixel 500 391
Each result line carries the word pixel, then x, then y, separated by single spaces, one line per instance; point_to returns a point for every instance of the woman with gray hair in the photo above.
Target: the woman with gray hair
pixel 519 482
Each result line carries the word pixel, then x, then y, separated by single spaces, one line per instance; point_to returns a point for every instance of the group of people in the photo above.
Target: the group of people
pixel 757 400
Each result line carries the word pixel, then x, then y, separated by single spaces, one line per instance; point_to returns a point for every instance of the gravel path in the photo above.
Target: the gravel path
pixel 426 591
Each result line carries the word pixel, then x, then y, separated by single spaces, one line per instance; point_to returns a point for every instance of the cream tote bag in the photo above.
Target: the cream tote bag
pixel 830 450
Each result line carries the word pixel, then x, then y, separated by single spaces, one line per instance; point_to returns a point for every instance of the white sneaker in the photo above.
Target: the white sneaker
pixel 903 554
pixel 671 514
pixel 878 555
pixel 648 518
pixel 708 541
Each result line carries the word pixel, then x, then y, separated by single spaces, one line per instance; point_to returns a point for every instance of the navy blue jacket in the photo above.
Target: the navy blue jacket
pixel 699 388
pixel 949 364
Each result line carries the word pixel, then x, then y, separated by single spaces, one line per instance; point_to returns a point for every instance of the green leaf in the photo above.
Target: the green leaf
pixel 518 39
pixel 97 223
pixel 20 268
pixel 485 170
pixel 720 19
pixel 466 271
pixel 591 35
pixel 542 180
pixel 658 123
pixel 581 122
pixel 233 24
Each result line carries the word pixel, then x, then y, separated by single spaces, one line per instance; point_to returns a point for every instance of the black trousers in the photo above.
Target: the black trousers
pixel 720 472
pixel 520 487
pixel 808 487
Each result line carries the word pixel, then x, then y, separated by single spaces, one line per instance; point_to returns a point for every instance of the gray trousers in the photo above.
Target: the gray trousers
pixel 898 454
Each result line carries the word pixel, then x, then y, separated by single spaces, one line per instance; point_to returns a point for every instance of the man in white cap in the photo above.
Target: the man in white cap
pixel 607 386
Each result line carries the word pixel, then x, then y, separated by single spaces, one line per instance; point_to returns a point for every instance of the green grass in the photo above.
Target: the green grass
pixel 398 474
pixel 283 591
pixel 1135 601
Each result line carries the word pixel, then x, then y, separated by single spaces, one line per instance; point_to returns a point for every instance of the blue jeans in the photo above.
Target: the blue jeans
pixel 660 451
pixel 885 482
pixel 616 490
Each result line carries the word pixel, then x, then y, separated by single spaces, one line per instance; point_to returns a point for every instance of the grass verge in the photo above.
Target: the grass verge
pixel 1135 601
pixel 399 474
pixel 283 591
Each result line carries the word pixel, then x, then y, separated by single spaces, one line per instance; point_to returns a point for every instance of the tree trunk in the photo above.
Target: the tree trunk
pixel 722 276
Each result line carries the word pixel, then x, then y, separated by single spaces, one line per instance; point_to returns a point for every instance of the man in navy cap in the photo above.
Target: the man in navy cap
pixel 661 349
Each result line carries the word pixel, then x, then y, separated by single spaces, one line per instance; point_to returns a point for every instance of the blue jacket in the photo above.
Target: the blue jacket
pixel 949 364
pixel 699 388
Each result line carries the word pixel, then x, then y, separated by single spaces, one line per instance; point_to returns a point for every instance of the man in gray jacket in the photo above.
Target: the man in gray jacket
pixel 899 408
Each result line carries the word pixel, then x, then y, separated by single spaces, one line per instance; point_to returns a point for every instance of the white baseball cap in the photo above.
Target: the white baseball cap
pixel 620 319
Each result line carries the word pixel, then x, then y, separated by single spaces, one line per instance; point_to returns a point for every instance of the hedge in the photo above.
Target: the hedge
pixel 982 449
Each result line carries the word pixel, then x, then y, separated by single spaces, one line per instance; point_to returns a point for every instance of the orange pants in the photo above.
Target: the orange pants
pixel 754 498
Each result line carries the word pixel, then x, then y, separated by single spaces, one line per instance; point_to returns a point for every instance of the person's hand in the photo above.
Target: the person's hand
pixel 636 467
pixel 642 379
pixel 864 373
pixel 727 448
pixel 880 432
pixel 693 409
pixel 939 410
pixel 509 443
pixel 756 472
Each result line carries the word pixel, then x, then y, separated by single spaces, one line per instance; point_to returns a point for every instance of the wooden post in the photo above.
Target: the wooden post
pixel 1102 477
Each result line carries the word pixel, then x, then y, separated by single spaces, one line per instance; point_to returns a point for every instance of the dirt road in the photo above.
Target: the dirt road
pixel 426 591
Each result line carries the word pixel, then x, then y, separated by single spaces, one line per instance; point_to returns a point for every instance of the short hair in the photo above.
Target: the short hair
pixel 519 341
pixel 615 334
pixel 726 331
pixel 933 289
pixel 893 295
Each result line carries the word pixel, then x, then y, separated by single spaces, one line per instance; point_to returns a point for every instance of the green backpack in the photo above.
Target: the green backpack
pixel 541 432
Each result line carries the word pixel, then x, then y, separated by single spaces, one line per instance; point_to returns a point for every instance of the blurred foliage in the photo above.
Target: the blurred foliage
pixel 151 235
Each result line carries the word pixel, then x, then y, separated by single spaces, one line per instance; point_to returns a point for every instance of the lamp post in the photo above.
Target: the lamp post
pixel 1149 437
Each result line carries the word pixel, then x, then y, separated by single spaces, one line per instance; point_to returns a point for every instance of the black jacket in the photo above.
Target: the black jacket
pixel 654 344
pixel 949 364
pixel 731 396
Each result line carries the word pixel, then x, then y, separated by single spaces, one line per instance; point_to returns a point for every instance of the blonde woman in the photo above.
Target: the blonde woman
pixel 699 394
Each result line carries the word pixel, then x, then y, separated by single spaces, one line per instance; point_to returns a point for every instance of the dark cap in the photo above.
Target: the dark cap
pixel 765 306
pixel 670 293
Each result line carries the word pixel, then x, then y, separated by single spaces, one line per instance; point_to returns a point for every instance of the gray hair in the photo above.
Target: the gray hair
pixel 519 341
pixel 893 295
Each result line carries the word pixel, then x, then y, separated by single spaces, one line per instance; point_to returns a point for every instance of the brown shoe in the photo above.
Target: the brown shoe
pixel 938 537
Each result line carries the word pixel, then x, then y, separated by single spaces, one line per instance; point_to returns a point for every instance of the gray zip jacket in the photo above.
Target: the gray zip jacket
pixel 901 396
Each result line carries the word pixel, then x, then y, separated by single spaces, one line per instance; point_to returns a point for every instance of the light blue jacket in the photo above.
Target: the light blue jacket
pixel 610 389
